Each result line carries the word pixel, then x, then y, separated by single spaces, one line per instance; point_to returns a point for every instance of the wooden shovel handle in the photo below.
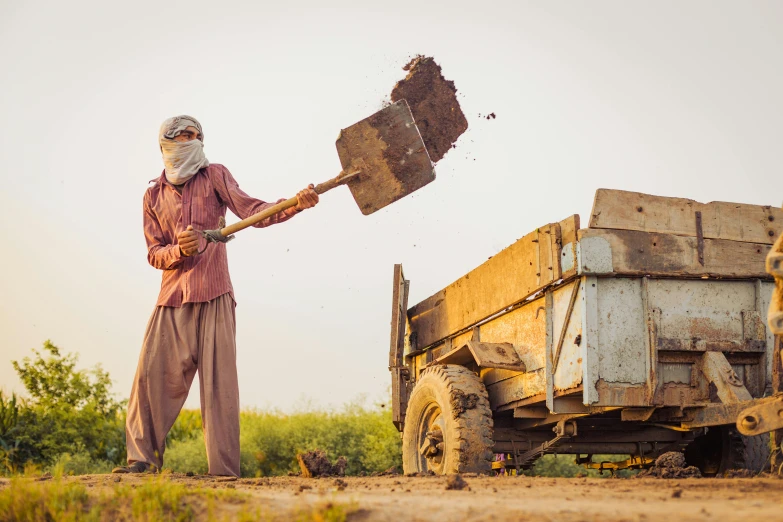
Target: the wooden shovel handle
pixel 340 179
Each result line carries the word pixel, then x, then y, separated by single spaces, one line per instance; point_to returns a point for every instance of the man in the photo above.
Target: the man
pixel 193 326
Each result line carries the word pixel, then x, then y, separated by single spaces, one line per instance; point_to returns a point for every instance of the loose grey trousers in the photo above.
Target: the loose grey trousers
pixel 178 342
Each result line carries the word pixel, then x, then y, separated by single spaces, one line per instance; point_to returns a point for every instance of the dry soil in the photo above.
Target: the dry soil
pixel 397 498
pixel 433 103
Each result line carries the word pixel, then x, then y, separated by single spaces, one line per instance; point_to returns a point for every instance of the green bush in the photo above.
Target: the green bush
pixel 270 441
pixel 187 455
pixel 79 463
pixel 69 411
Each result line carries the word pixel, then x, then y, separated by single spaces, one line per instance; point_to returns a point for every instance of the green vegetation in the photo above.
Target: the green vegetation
pixel 70 416
pixel 72 425
pixel 270 440
pixel 157 499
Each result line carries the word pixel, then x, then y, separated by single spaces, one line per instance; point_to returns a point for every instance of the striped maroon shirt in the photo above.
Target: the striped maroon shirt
pixel 203 201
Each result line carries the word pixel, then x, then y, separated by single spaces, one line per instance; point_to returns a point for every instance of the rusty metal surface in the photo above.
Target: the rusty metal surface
pixel 720 374
pixel 484 355
pixel 721 414
pixel 615 329
pixel 496 355
pixel 388 150
pixel 636 414
pixel 761 418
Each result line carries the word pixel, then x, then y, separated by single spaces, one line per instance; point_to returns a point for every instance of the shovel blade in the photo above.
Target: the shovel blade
pixel 388 150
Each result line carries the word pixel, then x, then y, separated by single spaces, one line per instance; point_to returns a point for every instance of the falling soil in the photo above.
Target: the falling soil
pixel 316 464
pixel 433 102
pixel 670 465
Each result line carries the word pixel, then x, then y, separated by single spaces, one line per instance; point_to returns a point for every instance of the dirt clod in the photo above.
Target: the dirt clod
pixel 391 471
pixel 739 473
pixel 677 493
pixel 341 484
pixel 461 402
pixel 670 465
pixel 316 464
pixel 433 102
pixel 456 482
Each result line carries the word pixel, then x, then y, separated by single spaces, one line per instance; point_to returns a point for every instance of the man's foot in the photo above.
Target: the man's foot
pixel 136 467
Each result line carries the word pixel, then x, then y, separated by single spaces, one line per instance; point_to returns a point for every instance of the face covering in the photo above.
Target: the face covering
pixel 181 159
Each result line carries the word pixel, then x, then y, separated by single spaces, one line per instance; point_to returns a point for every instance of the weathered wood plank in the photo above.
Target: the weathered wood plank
pixel 398 325
pixel 646 253
pixel 505 279
pixel 621 210
pixel 522 386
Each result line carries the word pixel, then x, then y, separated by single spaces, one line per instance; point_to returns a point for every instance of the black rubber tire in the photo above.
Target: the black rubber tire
pixel 452 402
pixel 723 448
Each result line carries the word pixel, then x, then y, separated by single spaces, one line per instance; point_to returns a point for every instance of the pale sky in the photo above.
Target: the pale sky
pixel 675 98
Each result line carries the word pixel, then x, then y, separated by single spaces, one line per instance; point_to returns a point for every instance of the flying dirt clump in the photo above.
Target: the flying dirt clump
pixel 456 482
pixel 670 465
pixel 316 464
pixel 433 102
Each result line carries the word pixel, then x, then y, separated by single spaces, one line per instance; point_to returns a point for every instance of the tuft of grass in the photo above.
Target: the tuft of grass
pixel 157 499
pixel 28 501
pixel 326 512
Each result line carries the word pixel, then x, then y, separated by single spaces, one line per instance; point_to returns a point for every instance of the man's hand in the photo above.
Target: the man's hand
pixel 188 242
pixel 308 198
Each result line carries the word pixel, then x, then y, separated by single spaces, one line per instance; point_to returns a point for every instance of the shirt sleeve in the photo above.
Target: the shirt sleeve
pixel 240 203
pixel 159 254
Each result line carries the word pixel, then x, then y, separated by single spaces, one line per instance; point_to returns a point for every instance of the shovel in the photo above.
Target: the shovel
pixel 383 159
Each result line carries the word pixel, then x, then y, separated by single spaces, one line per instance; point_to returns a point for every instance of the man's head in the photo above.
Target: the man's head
pixel 181 142
pixel 189 134
pixel 181 128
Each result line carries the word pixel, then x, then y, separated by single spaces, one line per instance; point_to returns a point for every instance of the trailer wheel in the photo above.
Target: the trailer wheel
pixel 448 424
pixel 723 448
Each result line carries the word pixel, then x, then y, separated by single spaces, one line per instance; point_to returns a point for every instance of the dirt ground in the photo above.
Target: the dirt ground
pixel 396 498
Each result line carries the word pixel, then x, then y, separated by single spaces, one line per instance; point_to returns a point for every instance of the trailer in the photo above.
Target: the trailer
pixel 640 334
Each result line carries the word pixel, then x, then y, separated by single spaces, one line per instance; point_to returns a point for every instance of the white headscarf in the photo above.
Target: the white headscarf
pixel 181 159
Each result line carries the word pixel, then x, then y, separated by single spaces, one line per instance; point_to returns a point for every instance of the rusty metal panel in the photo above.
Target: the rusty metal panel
pixel 679 373
pixel 496 355
pixel 485 355
pixel 622 331
pixel 616 359
pixel 702 310
pixel 590 339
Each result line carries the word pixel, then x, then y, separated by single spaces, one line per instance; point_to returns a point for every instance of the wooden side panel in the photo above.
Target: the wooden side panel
pixel 506 279
pixel 618 209
pixel 398 325
pixel 522 386
pixel 644 253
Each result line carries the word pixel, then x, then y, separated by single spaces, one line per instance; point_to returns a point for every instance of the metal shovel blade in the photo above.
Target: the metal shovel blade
pixel 388 150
